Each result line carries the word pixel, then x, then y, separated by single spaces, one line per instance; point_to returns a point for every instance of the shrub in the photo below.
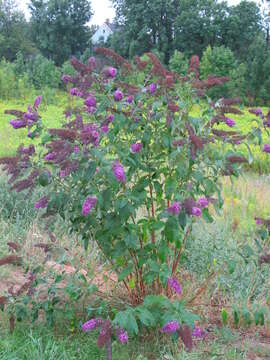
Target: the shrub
pixel 178 63
pixel 132 170
pixel 43 72
pixel 11 84
pixel 220 61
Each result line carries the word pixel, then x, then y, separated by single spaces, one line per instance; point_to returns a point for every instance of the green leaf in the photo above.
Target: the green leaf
pixel 124 273
pixel 170 187
pixel 145 316
pixel 224 316
pixel 236 316
pixel 126 320
pixel 91 169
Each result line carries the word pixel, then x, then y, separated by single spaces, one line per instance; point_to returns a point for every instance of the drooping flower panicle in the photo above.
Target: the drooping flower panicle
pixel 196 211
pixel 175 208
pixel 175 285
pixel 92 324
pixel 122 336
pixel 135 148
pixel 171 327
pixel 119 172
pixel 266 148
pixel 88 205
pixel 202 202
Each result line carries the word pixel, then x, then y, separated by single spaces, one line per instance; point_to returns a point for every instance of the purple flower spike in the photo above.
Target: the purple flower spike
pixel 91 109
pixel 175 208
pixel 76 149
pixel 122 336
pixel 256 112
pixel 202 202
pixel 118 95
pixel 129 99
pixel 42 203
pixel 37 102
pixel 230 122
pixel 171 327
pixel 112 72
pixel 91 324
pixel 259 221
pixel 152 88
pixel 198 332
pixel 110 118
pixel 135 148
pixel 50 156
pixel 266 148
pixel 196 211
pixel 92 62
pixel 75 92
pixel 104 128
pixel 174 284
pixel 119 172
pixel 89 203
pixel 90 101
pixel 18 124
pixel 66 78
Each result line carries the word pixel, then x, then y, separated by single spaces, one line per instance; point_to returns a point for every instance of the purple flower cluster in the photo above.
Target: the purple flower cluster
pixel 256 112
pixel 91 324
pixel 90 101
pixel 175 208
pixel 266 148
pixel 229 122
pixel 111 72
pixel 89 134
pixel 202 202
pixel 88 205
pixel 198 332
pixel 122 336
pixel 135 148
pixel 129 99
pixel 152 88
pixel 37 102
pixel 104 128
pixel 50 156
pixel 75 92
pixel 42 203
pixel 171 327
pixel 18 123
pixel 119 172
pixel 118 95
pixel 196 211
pixel 174 284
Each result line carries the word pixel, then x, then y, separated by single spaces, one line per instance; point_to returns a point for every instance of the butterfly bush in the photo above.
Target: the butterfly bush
pixel 132 169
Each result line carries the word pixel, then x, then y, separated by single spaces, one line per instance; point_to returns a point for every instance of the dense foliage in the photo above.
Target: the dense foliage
pixel 59 27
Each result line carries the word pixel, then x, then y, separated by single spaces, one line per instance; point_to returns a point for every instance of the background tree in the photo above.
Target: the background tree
pixel 221 61
pixel 59 27
pixel 146 25
pixel 199 24
pixel 241 26
pixel 14 31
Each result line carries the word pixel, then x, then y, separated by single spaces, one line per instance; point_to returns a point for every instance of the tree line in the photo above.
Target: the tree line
pixel 231 39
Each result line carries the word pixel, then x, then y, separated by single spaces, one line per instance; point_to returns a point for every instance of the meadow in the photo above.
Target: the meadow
pixel 231 239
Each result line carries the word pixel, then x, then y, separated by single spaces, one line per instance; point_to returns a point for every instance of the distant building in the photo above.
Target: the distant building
pixel 103 32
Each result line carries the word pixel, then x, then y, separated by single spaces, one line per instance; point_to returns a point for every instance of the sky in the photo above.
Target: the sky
pixel 102 9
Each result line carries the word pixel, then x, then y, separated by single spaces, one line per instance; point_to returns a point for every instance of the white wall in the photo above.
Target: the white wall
pixel 102 32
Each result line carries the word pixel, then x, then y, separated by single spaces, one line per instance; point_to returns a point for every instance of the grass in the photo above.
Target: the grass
pixel 10 139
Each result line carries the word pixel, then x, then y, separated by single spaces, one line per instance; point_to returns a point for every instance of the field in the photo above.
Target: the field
pixel 230 239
